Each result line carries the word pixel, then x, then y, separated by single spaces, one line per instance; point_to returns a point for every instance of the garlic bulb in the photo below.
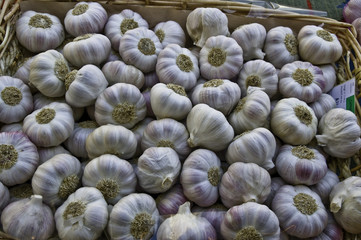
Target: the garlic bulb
pixel 332 230
pixel 170 32
pixel 244 182
pixel 120 104
pixel 300 165
pixel 324 187
pixel 324 104
pixel 76 141
pixel 111 139
pixel 318 46
pixel 281 46
pixel 5 196
pixel 200 177
pixel 46 153
pixel 47 73
pixel 220 94
pixel 140 47
pixel 339 133
pixel 134 217
pixel 301 80
pixel 87 49
pixel 146 95
pixel 23 73
pixel 28 219
pixel 39 32
pixel 150 79
pixel 50 125
pixel 177 65
pixel 329 73
pixel 119 72
pixel 138 131
pixel 16 100
pixel 203 23
pixel 19 158
pixel 258 73
pixel 276 183
pixel 13 127
pixel 251 38
pixel 167 133
pixel 251 111
pixel 157 169
pixel 83 216
pixel 83 86
pixel 256 146
pixel 293 121
pixel 169 201
pixel 250 221
pixel 345 204
pixel 220 57
pixel 85 17
pixel 300 211
pixel 118 24
pixel 57 178
pixel 208 128
pixel 20 191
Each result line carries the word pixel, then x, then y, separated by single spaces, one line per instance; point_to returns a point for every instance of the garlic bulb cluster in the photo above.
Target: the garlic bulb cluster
pixel 169 202
pixel 170 32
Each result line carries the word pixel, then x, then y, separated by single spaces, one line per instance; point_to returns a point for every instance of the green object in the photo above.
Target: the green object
pixel 350 103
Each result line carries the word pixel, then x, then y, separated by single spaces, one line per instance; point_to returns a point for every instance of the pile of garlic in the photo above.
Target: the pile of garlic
pixel 116 129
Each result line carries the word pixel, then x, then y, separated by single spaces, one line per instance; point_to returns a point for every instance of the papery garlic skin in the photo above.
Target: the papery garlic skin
pixel 200 177
pixel 339 133
pixel 28 218
pixel 5 196
pixel 134 217
pixel 329 73
pixel 170 32
pixel 318 46
pixel 85 17
pixel 220 57
pixel 203 23
pixel 19 158
pixel 332 230
pixel 83 216
pixel 324 104
pixel 46 153
pixel 324 187
pixel 39 32
pixel 169 201
pixel 244 182
pixel 251 221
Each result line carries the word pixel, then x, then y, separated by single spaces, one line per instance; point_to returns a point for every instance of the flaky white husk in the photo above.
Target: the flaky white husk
pixel 5 196
pixel 324 104
pixel 38 39
pixel 345 204
pixel 90 224
pixel 46 153
pixel 250 214
pixel 324 187
pixel 173 33
pixel 28 219
pixel 339 133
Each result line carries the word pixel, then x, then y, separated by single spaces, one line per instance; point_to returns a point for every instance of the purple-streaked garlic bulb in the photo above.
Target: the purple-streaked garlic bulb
pixel 46 153
pixel 170 32
pixel 324 187
pixel 5 196
pixel 146 95
pixel 329 72
pixel 12 127
pixel 138 131
pixel 324 104
pixel 352 11
pixel 168 202
pixel 150 79
pixel 23 73
pixel 276 183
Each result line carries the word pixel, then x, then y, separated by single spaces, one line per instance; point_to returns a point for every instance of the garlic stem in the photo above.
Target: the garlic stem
pixel 36 200
pixel 336 204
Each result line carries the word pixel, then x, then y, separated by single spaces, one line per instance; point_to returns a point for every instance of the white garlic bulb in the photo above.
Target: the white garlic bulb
pixel 256 146
pixel 140 47
pixel 83 216
pixel 276 183
pixel 50 125
pixel 87 49
pixel 169 201
pixel 16 100
pixel 329 73
pixel 39 32
pixel 138 131
pixel 332 230
pixel 251 38
pixel 220 94
pixel 5 196
pixel 83 86
pixel 167 132
pixel 208 128
pixel 119 72
pixel 85 17
pixel 258 73
pixel 46 153
pixel 281 46
pixel 293 121
pixel 200 177
pixel 157 169
pixel 300 165
pixel 12 127
pixel 177 65
pixel 203 23
pixel 23 73
pixel 120 104
pixel 170 32
pixel 324 104
pixel 19 158
pixel 57 178
pixel 324 187
pixel 318 46
pixel 112 176
pixel 301 80
pixel 220 57
pixel 47 73
pixel 250 221
pixel 28 219
pixel 339 133
pixel 244 182
pixel 134 217
pixel 300 211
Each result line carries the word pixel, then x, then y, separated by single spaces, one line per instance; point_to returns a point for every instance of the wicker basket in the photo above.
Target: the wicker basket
pixel 154 11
